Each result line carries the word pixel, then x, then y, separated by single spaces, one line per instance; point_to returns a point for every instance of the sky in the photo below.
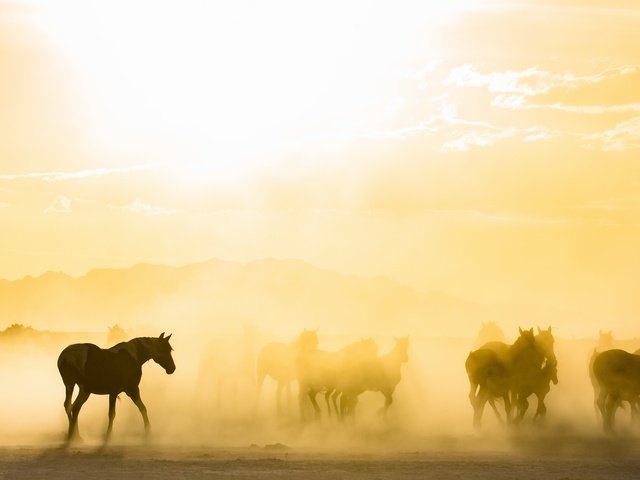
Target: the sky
pixel 488 149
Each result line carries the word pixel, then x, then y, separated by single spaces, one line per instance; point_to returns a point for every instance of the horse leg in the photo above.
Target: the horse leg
pixel 388 400
pixel 279 398
pixel 523 405
pixel 327 399
pixel 478 407
pixel 135 396
pixel 492 403
pixel 601 404
pixel 334 400
pixel 67 399
pixel 287 389
pixel 112 414
pixel 302 390
pixel 473 398
pixel 611 404
pixel 507 407
pixel 541 411
pixel 82 397
pixel 316 408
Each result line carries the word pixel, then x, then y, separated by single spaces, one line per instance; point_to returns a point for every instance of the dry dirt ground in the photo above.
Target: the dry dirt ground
pixel 548 458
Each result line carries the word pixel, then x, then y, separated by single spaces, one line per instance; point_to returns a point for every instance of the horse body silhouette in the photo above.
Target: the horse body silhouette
pixel 278 361
pixel 501 372
pixel 381 374
pixel 110 372
pixel 320 370
pixel 538 384
pixel 617 374
pixel 228 363
pixel 489 332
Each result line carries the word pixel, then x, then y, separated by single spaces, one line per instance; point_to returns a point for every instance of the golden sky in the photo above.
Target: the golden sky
pixel 488 149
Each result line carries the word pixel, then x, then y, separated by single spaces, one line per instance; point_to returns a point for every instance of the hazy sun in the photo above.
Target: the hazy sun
pixel 223 81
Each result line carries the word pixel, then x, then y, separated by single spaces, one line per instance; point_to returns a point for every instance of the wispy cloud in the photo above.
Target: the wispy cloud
pixel 94 172
pixel 61 204
pixel 528 82
pixel 623 136
pixel 148 210
pixel 519 102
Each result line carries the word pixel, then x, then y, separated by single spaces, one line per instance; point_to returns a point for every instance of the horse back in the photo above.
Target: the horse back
pixel 98 370
pixel 618 370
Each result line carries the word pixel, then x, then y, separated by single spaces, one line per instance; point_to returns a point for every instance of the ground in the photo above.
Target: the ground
pixel 446 458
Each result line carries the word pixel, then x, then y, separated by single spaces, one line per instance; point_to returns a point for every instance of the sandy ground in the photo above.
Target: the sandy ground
pixel 439 458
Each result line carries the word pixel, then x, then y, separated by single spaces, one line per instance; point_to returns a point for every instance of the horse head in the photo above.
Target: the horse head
pixel 160 350
pixel 401 348
pixel 545 341
pixel 307 340
pixel 605 340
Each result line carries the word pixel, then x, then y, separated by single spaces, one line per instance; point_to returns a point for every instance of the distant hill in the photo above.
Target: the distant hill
pixel 272 294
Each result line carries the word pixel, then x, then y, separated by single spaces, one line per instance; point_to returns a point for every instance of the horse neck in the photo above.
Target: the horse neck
pixel 392 362
pixel 142 351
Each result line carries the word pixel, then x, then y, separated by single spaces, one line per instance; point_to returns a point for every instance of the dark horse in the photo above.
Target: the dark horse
pixel 110 372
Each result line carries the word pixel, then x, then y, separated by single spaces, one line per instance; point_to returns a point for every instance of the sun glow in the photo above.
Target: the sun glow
pixel 222 82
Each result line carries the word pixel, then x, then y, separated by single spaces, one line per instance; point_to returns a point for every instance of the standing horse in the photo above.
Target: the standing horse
pixel 502 373
pixel 539 384
pixel 618 376
pixel 278 360
pixel 110 372
pixel 320 370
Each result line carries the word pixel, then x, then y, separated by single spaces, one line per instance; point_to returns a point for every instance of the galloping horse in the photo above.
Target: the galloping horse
pixel 110 372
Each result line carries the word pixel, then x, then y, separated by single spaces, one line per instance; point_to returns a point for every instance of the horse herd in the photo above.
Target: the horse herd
pixel 496 371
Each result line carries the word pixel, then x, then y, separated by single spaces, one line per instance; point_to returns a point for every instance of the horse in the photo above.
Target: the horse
pixel 110 372
pixel 229 363
pixel 618 376
pixel 489 332
pixel 278 361
pixel 501 372
pixel 320 370
pixel 539 384
pixel 381 374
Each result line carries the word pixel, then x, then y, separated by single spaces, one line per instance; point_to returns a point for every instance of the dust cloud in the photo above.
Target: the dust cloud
pixel 212 398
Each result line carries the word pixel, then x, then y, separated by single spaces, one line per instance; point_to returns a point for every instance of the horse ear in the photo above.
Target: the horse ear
pixel 531 330
pixel 539 329
pixel 162 335
pixel 549 329
pixel 520 330
pixel 168 337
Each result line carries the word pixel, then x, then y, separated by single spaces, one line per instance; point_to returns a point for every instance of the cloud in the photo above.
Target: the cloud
pixel 518 102
pixel 492 134
pixel 528 82
pixel 61 204
pixel 623 136
pixel 95 172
